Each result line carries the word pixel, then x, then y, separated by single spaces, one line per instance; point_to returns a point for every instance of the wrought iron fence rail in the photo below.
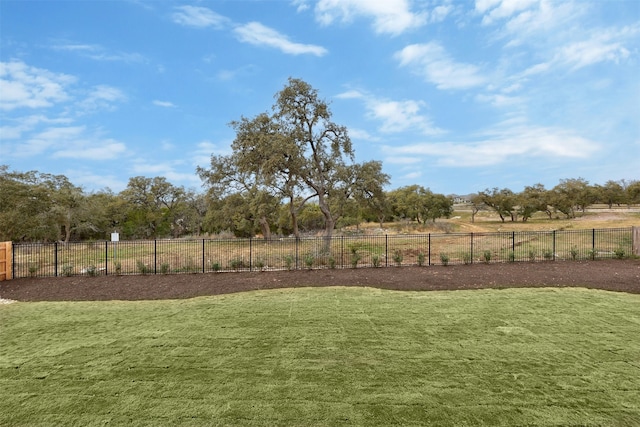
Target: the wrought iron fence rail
pixel 213 255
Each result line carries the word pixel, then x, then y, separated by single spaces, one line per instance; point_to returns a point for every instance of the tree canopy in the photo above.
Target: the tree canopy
pixel 296 153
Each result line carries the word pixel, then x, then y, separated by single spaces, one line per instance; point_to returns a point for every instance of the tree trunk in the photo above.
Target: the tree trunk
pixel 329 223
pixel 473 215
pixel 264 227
pixel 294 218
pixel 67 231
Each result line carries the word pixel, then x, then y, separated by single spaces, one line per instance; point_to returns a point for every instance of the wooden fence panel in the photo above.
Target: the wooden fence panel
pixel 5 260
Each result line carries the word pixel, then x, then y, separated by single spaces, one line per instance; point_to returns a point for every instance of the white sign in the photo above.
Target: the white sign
pixel 115 237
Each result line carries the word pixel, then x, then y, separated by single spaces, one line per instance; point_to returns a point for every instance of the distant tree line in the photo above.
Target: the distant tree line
pixel 291 171
pixel 37 206
pixel 567 198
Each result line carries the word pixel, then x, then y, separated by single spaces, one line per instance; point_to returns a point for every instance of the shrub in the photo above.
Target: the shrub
pixel 375 259
pixel 532 255
pixel 164 268
pixel 619 253
pixel 67 270
pixel 142 267
pixel 236 263
pixel 215 266
pixel 421 258
pixel 260 264
pixel 547 254
pixel 512 256
pixel 33 269
pixel 593 254
pixel 355 257
pixel 466 258
pixel 308 260
pixel 574 252
pixel 444 258
pixel 92 271
pixel 118 268
pixel 332 262
pixel 191 266
pixel 398 257
pixel 288 262
pixel 486 256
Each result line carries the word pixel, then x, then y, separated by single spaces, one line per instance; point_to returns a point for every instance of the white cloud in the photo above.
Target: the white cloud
pixel 501 9
pixel 355 133
pixel 601 46
pixel 301 5
pixel 389 16
pixel 257 34
pixel 596 46
pixel 543 24
pixel 402 160
pixel 26 124
pixel 431 61
pixel 351 94
pixel 202 154
pixel 168 170
pixel 91 181
pixel 49 139
pixel 439 13
pixel 70 142
pixel 500 145
pixel 499 100
pixel 399 116
pixel 101 97
pixel 104 149
pixel 395 116
pixel 411 176
pixel 164 104
pixel 228 74
pixel 199 17
pixel 167 145
pixel 97 52
pixel 23 86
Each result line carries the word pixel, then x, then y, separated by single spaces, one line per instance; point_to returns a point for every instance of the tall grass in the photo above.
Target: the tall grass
pixel 329 356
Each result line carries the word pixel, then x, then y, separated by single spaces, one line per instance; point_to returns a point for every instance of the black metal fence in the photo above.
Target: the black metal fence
pixel 213 255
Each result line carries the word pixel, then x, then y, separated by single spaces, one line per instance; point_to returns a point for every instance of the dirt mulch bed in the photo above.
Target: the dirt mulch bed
pixel 613 275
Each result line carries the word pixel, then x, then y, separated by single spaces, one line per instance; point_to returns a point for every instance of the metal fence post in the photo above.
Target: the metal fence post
pixel 250 254
pixel 554 245
pixel 155 256
pixel 55 259
pixel 429 248
pixel 471 250
pixel 386 250
pixel 203 268
pixel 106 258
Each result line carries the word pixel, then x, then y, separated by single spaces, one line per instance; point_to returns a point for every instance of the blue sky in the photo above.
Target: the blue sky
pixel 457 96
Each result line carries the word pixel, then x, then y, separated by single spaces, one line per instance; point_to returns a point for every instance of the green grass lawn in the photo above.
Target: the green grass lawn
pixel 326 356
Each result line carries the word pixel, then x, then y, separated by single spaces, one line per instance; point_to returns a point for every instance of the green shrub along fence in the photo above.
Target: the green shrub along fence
pixel 214 255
